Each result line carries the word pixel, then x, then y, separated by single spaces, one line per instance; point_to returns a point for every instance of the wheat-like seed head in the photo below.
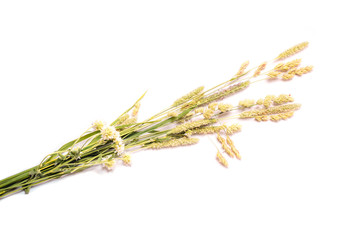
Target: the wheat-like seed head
pixel 174 143
pixel 221 159
pixel 292 51
pixel 242 68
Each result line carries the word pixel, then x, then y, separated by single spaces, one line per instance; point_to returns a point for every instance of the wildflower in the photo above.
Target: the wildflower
pixel 98 125
pixel 119 146
pixel 109 163
pixel 126 159
pixel 109 133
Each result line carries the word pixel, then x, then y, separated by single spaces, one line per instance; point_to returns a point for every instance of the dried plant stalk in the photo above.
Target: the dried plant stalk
pixel 198 112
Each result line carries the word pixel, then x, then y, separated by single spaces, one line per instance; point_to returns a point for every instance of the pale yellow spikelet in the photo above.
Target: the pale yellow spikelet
pixel 221 159
pixel 242 68
pixel 268 100
pixel 223 107
pixel 213 106
pixel 204 130
pixel 270 110
pixel 304 70
pixel 308 68
pixel 173 114
pixel 188 96
pixel 221 139
pixel 229 141
pixel 190 114
pixel 292 71
pixel 126 159
pixel 208 113
pixel 199 110
pixel 136 109
pixel 293 64
pixel 262 118
pixel 193 103
pixel 265 118
pixel 224 145
pixel 187 117
pixel 284 67
pixel 247 103
pixel 122 119
pixel 190 125
pixel 287 76
pixel 283 98
pixel 233 148
pixel 236 152
pixel 292 51
pixel 275 117
pixel 273 74
pixel 130 121
pixel 279 67
pixel 234 128
pixel 225 93
pixel 259 69
pixel 287 115
pixel 228 151
pixel 174 143
pixel 260 101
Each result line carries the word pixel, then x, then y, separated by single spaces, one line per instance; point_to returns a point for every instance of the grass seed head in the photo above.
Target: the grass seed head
pixel 292 51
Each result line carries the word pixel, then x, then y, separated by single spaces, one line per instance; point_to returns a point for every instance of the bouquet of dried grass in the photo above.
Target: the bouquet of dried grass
pixel 196 113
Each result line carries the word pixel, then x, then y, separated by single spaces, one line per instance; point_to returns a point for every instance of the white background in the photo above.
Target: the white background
pixel 64 64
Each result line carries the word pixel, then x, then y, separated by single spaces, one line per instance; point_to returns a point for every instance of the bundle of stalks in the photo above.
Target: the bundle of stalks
pixel 199 112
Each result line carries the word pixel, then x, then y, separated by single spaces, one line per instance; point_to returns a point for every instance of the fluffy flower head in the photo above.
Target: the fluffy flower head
pixel 109 133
